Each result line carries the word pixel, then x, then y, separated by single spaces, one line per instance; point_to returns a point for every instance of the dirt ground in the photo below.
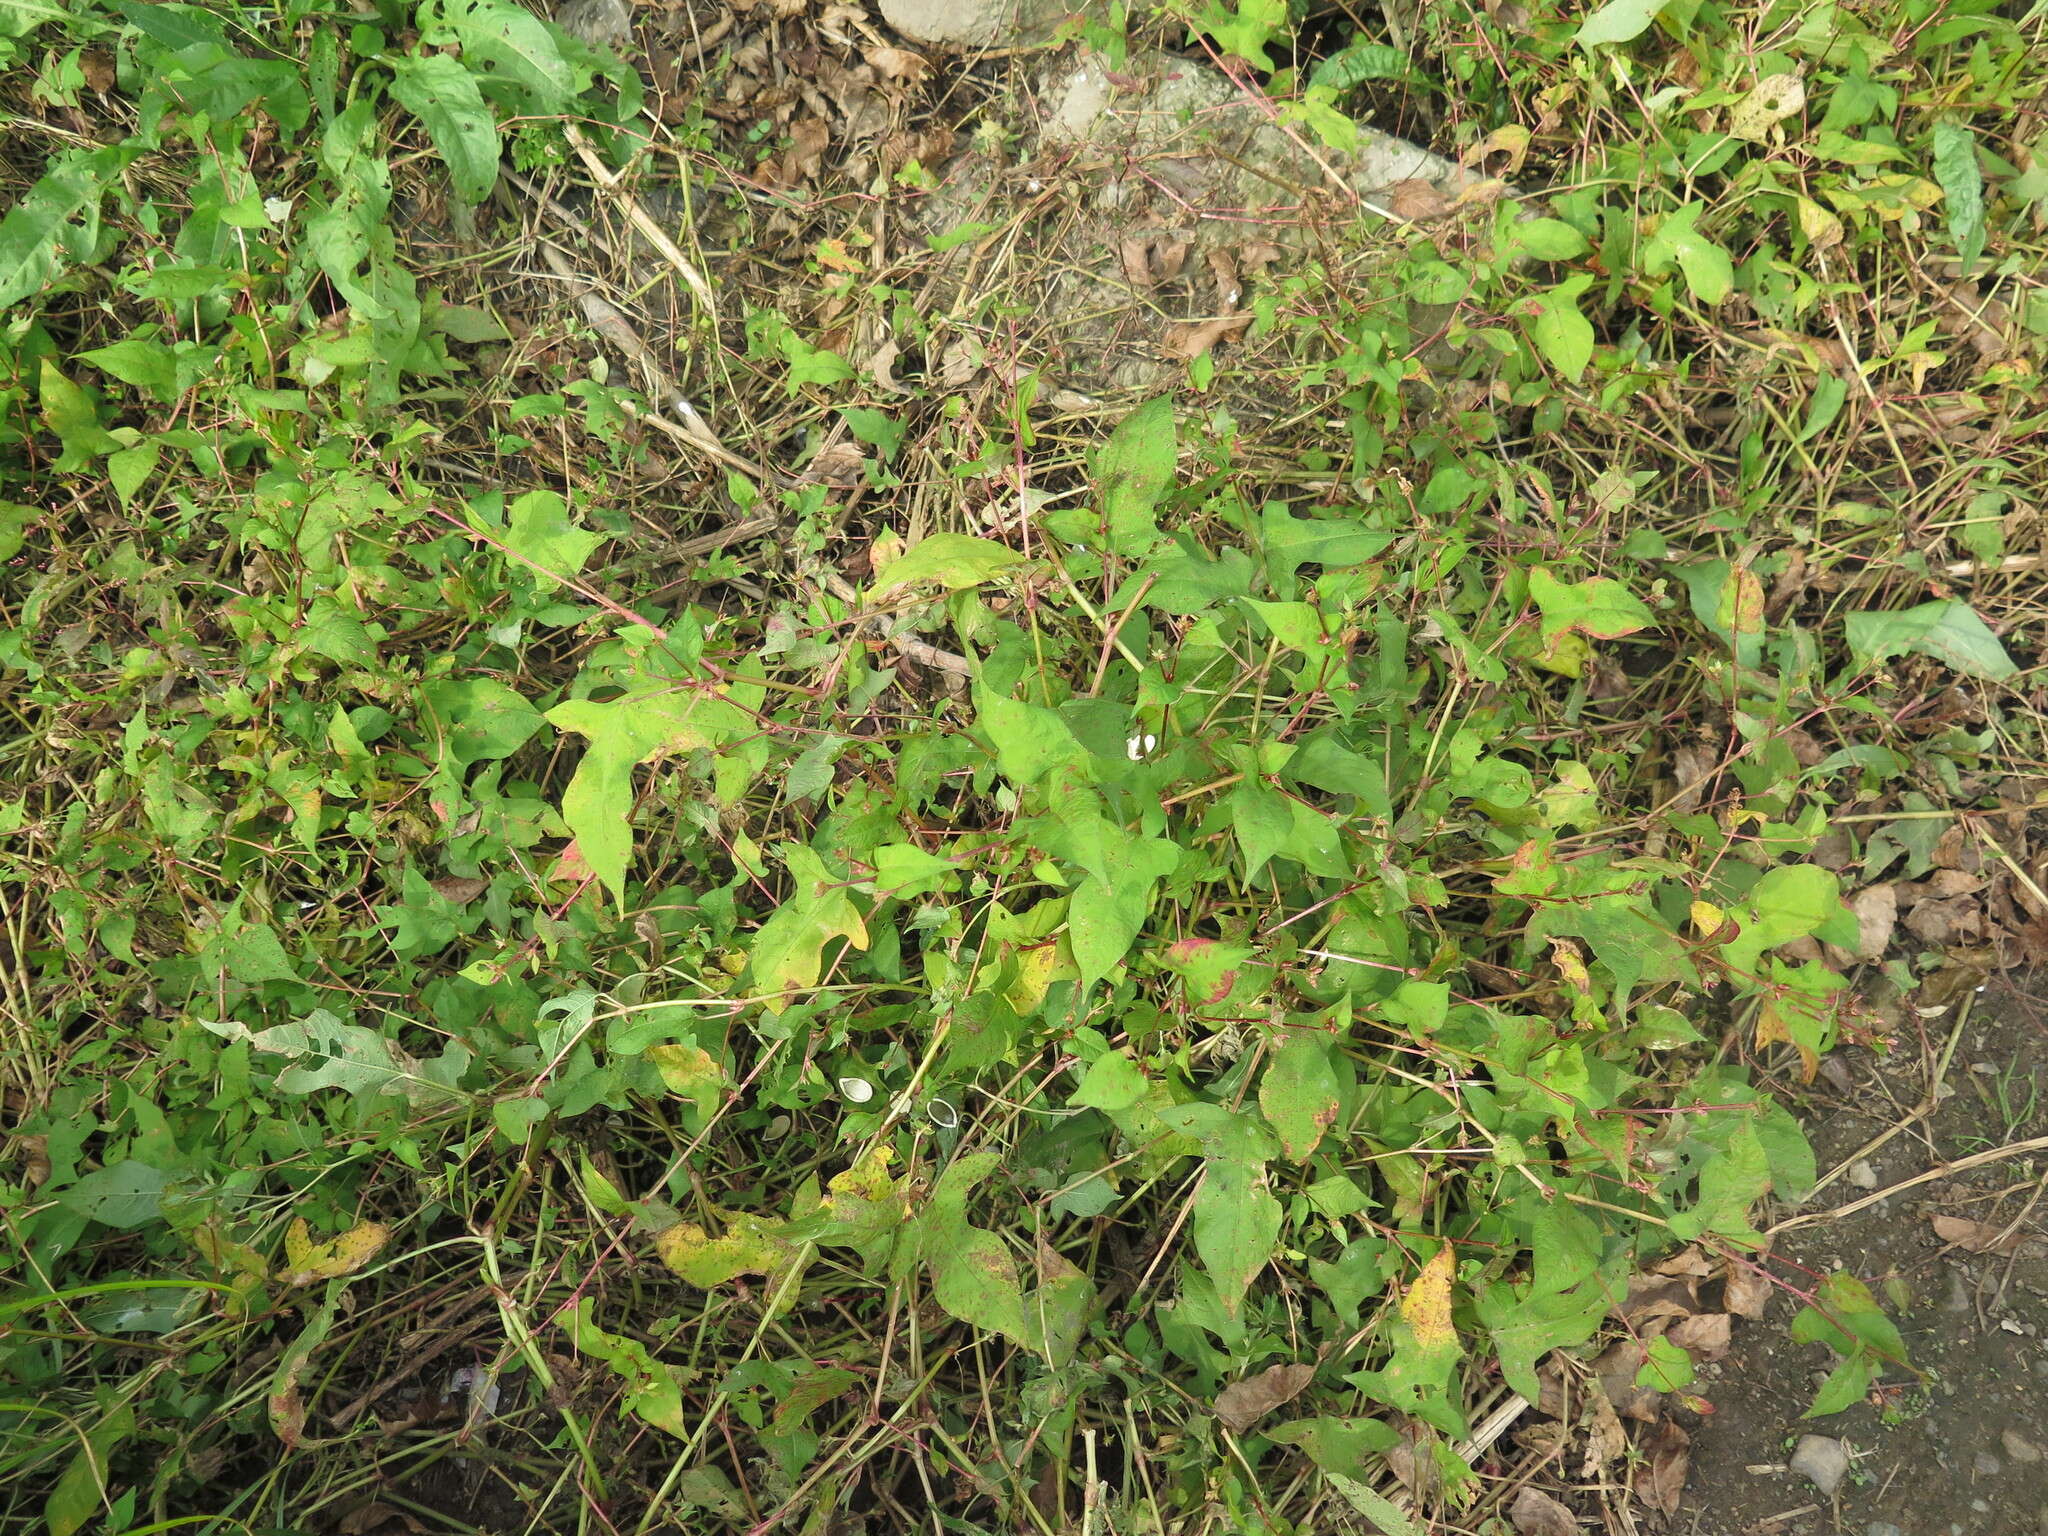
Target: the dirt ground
pixel 1963 1451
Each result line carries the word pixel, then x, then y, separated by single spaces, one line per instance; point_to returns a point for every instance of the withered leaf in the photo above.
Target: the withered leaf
pixel 1191 341
pixel 1877 914
pixel 1243 1403
pixel 1605 1438
pixel 1536 1513
pixel 1667 1457
pixel 1977 1236
pixel 1704 1336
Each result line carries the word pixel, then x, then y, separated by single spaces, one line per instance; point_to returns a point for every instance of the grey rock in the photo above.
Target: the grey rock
pixel 2020 1448
pixel 1862 1175
pixel 1986 1465
pixel 1882 1528
pixel 975 23
pixel 600 23
pixel 1822 1462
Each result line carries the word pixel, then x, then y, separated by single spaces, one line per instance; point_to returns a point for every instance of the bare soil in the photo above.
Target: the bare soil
pixel 1962 1450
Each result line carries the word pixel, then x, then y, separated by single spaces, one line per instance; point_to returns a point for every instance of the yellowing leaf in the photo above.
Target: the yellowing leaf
pixel 690 1072
pixel 1775 98
pixel 306 1261
pixel 750 1246
pixel 788 950
pixel 1707 918
pixel 1426 1308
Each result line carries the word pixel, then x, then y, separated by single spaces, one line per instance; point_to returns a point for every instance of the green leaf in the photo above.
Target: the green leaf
pixel 1618 21
pixel 953 560
pixel 1263 820
pixel 653 1390
pixel 1300 1092
pixel 149 365
pixel 1385 1515
pixel 480 719
pixel 1731 1181
pixel 1029 740
pixel 540 531
pixel 1245 31
pixel 1561 333
pixel 1600 607
pixel 788 949
pixel 1236 1222
pixel 326 1052
pixel 1708 271
pixel 1547 239
pixel 1357 63
pixel 34 232
pixel 81 1493
pixel 1948 630
pixel 973 1275
pixel 1845 1386
pixel 1103 922
pixel 443 94
pixel 72 414
pixel 1135 468
pixel 518 57
pixel 1666 1367
pixel 1111 1083
pixel 129 1194
pixel 1962 185
pixel 623 734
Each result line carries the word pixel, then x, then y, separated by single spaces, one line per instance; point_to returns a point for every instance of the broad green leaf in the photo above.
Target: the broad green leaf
pixel 1111 1083
pixel 540 531
pixel 1962 185
pixel 1263 820
pixel 514 55
pixel 653 1390
pixel 1600 607
pixel 624 733
pixel 1236 1222
pixel 480 718
pixel 1618 21
pixel 1561 333
pixel 127 1194
pixel 1788 902
pixel 1337 1445
pixel 149 365
pixel 1948 630
pixel 1029 740
pixel 954 560
pixel 789 949
pixel 34 233
pixel 1385 1515
pixel 1417 1377
pixel 1527 1324
pixel 1104 921
pixel 1245 31
pixel 1708 271
pixel 1666 1367
pixel 70 412
pixel 1547 239
pixel 326 1052
pixel 1730 1182
pixel 1357 63
pixel 80 1495
pixel 1134 469
pixel 443 94
pixel 973 1275
pixel 1299 1092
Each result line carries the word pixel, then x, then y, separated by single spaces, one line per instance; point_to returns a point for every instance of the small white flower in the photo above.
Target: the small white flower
pixel 1140 746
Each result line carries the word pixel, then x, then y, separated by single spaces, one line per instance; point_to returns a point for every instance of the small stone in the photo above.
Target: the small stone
pixel 2019 1448
pixel 1862 1175
pixel 600 23
pixel 1957 1298
pixel 1822 1462
pixel 1882 1528
pixel 1986 1465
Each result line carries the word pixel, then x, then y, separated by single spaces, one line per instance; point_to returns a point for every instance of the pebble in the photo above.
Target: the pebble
pixel 1882 1528
pixel 1822 1462
pixel 2019 1448
pixel 1987 1465
pixel 1958 1297
pixel 1862 1175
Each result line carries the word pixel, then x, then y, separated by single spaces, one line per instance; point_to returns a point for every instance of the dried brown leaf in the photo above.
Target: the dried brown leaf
pixel 1704 1337
pixel 1667 1457
pixel 1977 1236
pixel 1877 914
pixel 1747 1291
pixel 1417 201
pixel 898 64
pixel 1605 1438
pixel 1243 1403
pixel 461 890
pixel 1536 1513
pixel 1191 341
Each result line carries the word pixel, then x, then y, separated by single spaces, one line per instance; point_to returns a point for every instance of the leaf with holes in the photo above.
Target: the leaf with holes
pixel 443 95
